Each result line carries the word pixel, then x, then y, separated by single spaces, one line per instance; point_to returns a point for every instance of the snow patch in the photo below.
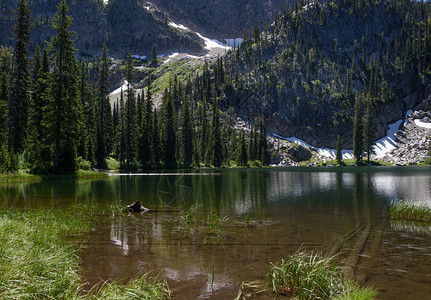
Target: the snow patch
pixel 422 124
pixel 387 143
pixel 170 57
pixel 121 88
pixel 179 26
pixel 147 7
pixel 326 152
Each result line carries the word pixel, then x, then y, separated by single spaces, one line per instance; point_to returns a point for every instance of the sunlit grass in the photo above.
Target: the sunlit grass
pixel 308 275
pixel 145 287
pixel 410 211
pixel 39 261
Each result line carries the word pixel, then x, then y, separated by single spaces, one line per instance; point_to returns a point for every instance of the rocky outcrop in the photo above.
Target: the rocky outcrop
pixel 413 140
pixel 124 25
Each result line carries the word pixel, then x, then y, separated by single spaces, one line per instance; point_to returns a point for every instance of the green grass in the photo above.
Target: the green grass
pixel 406 210
pixel 309 275
pixel 39 261
pixel 146 286
pixel 24 176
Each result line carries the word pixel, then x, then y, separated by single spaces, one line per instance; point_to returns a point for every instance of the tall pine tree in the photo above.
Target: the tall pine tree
pixel 357 131
pixel 64 111
pixel 20 96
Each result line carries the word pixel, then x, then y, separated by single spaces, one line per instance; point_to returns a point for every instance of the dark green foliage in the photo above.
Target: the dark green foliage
pixel 39 150
pixel 186 134
pixel 242 157
pixel 131 115
pixel 64 110
pixel 147 129
pixel 358 146
pixel 338 155
pixel 104 126
pixel 216 145
pixel 19 101
pixel 369 127
pixel 170 138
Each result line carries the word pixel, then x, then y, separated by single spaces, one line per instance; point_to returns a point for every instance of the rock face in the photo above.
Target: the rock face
pixel 124 25
pixel 222 19
pixel 413 140
pixel 298 153
pixel 135 25
pixel 303 75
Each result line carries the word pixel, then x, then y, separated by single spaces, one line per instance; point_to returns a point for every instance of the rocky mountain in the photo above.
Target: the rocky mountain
pixel 304 72
pixel 135 25
pixel 124 25
pixel 221 19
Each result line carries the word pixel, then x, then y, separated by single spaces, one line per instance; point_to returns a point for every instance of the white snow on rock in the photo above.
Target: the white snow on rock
pixel 209 43
pixel 179 26
pixel 326 152
pixel 147 8
pixel 422 124
pixel 170 57
pixel 123 87
pixel 387 143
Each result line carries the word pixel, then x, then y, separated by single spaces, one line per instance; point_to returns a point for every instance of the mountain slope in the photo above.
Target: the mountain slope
pixel 307 68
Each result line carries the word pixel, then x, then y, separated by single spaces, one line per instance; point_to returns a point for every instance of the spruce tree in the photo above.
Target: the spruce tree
pixel 242 158
pixel 104 128
pixel 131 115
pixel 186 134
pixel 156 141
pixel 357 131
pixel 216 145
pixel 147 129
pixel 338 155
pixel 369 127
pixel 20 96
pixel 170 140
pixel 38 146
pixel 64 111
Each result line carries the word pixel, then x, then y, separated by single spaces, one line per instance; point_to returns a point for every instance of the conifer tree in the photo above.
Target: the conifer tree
pixel 39 148
pixel 104 127
pixel 170 140
pixel 154 55
pixel 63 116
pixel 156 140
pixel 357 131
pixel 369 127
pixel 131 115
pixel 242 158
pixel 216 145
pixel 186 134
pixel 20 96
pixel 147 129
pixel 338 155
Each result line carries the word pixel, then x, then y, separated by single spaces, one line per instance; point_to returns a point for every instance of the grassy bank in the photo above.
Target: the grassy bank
pixel 24 176
pixel 404 210
pixel 37 261
pixel 307 275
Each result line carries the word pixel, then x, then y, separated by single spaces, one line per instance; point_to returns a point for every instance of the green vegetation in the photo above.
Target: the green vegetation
pixel 37 261
pixel 410 211
pixel 308 275
pixel 192 221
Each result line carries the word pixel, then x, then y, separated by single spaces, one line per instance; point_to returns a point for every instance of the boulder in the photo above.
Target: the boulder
pixel 136 207
pixel 299 153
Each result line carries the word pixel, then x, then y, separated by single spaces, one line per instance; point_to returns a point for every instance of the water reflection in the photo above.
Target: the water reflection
pixel 270 214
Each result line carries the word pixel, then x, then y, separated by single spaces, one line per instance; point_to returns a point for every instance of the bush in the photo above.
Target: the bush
pixel 83 164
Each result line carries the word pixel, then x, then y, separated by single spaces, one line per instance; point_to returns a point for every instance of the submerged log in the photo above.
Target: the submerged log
pixel 136 207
